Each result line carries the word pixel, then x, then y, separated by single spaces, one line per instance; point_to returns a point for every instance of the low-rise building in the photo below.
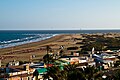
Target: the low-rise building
pixel 105 59
pixel 23 72
pixel 13 63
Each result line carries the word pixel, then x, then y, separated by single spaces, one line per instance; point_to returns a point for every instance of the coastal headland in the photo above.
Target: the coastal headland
pixel 26 52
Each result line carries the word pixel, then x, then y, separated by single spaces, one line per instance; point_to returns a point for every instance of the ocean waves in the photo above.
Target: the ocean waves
pixel 28 38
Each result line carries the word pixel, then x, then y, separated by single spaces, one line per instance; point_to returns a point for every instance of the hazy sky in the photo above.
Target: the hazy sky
pixel 59 14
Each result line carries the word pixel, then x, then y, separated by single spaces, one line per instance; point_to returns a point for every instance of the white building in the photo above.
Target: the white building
pixel 105 59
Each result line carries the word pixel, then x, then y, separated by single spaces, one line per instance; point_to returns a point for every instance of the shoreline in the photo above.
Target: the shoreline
pixel 27 41
pixel 31 44
pixel 25 51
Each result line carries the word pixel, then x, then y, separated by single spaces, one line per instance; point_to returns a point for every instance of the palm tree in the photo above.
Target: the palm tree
pixel 48 48
pixel 70 72
pixel 55 73
pixel 89 72
pixel 74 73
pixel 48 59
pixel 116 75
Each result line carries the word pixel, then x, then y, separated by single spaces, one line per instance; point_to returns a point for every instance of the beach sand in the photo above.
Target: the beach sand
pixel 25 51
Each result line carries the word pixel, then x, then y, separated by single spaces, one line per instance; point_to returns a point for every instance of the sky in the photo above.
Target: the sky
pixel 59 14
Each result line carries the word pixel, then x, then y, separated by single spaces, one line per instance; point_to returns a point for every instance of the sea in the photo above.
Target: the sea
pixel 9 38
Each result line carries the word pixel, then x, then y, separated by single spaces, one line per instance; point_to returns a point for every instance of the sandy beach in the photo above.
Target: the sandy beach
pixel 25 51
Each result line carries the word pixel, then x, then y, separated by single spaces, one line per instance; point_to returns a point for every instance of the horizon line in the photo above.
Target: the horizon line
pixel 53 29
